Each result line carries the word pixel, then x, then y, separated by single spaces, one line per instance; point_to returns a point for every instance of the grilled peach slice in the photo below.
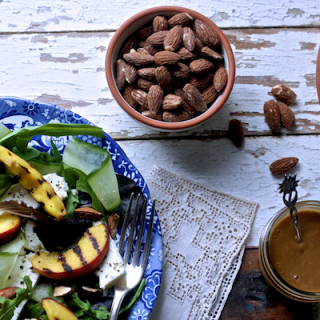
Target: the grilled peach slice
pixel 56 311
pixel 77 261
pixel 33 181
pixel 9 226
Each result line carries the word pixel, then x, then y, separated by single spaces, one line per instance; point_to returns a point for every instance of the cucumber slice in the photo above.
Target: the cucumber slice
pixel 83 156
pixel 97 164
pixel 104 184
pixel 42 290
pixel 9 253
pixel 4 130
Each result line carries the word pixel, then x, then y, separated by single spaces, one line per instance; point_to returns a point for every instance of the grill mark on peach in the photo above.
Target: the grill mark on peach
pixel 66 267
pixel 93 241
pixel 78 252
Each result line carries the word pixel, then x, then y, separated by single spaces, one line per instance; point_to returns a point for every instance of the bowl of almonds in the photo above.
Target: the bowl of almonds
pixel 170 68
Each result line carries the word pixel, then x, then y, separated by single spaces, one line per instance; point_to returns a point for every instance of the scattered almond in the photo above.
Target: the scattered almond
pixel 286 115
pixel 9 292
pixel 88 213
pixel 283 93
pixel 113 224
pixel 236 133
pixel 281 166
pixel 272 115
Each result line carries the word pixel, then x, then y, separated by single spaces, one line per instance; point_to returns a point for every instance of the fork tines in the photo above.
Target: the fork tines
pixel 137 225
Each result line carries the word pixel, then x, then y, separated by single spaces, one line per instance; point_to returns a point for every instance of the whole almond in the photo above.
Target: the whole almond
pixel 286 115
pixel 171 102
pixel 164 78
pixel 210 53
pixel 169 116
pixel 138 59
pixel 284 93
pixel 8 293
pixel 210 94
pixel 182 19
pixel 89 213
pixel 145 32
pixel 180 70
pixel 272 115
pixel 129 44
pixel 220 79
pixel 142 50
pixel 160 23
pixel 189 39
pixel 195 98
pixel 128 97
pixel 130 73
pixel 155 98
pixel 184 104
pixel 121 79
pixel 281 166
pixel 140 96
pixel 201 66
pixel 157 38
pixel 199 44
pixel 236 133
pixel 143 84
pixel 147 73
pixel 173 39
pixel 206 34
pixel 113 224
pixel 185 54
pixel 151 115
pixel 166 58
pixel 202 83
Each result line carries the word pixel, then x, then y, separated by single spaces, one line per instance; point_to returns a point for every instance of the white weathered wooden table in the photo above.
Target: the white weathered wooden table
pixel 54 52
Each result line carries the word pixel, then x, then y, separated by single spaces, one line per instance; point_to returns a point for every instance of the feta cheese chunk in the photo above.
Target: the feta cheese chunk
pixel 112 267
pixel 33 243
pixel 59 185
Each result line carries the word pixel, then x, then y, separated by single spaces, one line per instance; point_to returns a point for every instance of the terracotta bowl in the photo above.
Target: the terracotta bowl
pixel 129 28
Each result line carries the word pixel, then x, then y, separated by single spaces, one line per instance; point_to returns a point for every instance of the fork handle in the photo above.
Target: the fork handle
pixel 116 304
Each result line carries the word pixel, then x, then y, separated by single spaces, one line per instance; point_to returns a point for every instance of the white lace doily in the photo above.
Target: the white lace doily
pixel 204 234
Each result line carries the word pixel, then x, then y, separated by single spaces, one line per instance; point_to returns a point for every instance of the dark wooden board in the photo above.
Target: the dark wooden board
pixel 252 298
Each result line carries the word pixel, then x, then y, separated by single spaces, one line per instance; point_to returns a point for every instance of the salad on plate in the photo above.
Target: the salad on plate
pixel 59 216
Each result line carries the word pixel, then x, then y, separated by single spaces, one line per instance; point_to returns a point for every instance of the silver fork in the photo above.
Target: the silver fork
pixel 134 270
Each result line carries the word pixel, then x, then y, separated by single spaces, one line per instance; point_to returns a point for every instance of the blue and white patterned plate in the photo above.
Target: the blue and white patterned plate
pixel 17 113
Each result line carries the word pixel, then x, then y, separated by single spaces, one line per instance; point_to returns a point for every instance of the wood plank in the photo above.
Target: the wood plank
pixel 70 72
pixel 252 298
pixel 75 15
pixel 242 173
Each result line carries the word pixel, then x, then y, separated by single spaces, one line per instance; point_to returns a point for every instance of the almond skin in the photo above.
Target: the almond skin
pixel 206 34
pixel 147 73
pixel 171 102
pixel 195 98
pixel 143 84
pixel 140 96
pixel 201 66
pixel 144 33
pixel 89 213
pixel 155 98
pixel 128 97
pixel 184 104
pixel 164 78
pixel 281 166
pixel 211 54
pixel 9 292
pixel 169 116
pixel 163 58
pixel 138 59
pixel 129 44
pixel 272 115
pixel 130 73
pixel 210 94
pixel 286 115
pixel 173 39
pixel 284 93
pixel 121 79
pixel 157 38
pixel 180 71
pixel 185 54
pixel 236 133
pixel 160 23
pixel 220 79
pixel 189 39
pixel 182 19
pixel 201 83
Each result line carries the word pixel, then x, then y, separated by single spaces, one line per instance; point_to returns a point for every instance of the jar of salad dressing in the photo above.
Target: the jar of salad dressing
pixel 289 265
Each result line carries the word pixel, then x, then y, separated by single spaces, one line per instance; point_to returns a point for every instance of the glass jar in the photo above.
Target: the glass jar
pixel 266 266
